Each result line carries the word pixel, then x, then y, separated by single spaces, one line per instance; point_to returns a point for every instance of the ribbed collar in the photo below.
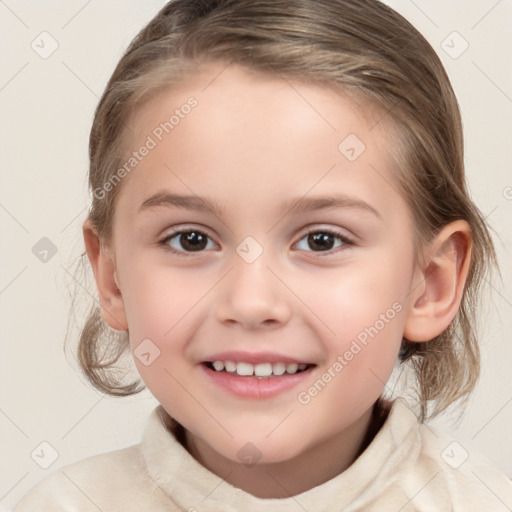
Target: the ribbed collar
pixel 190 485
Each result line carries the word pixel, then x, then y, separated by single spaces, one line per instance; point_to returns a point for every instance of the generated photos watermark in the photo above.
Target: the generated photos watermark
pixel 342 360
pixel 152 140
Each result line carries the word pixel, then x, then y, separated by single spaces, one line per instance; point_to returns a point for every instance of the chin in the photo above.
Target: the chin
pixel 260 450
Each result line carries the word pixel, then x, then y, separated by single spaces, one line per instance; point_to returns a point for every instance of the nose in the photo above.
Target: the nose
pixel 252 297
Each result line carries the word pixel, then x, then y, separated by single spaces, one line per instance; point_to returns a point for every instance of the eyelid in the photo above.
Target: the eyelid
pixel 331 230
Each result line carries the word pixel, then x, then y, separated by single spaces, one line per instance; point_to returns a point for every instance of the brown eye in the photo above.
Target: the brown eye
pixel 187 241
pixel 193 241
pixel 322 241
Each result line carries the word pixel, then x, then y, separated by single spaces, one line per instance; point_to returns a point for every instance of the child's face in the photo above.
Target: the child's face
pixel 252 146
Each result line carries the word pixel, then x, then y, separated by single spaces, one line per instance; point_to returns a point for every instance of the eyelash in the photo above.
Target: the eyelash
pixel 346 241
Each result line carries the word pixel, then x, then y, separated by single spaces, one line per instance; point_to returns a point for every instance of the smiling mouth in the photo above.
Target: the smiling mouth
pixel 260 370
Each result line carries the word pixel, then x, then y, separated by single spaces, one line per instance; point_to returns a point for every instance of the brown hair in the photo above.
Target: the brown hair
pixel 359 47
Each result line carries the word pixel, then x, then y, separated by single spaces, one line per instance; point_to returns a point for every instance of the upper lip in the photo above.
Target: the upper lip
pixel 254 358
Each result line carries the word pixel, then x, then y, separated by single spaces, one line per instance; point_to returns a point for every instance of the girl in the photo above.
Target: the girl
pixel 279 215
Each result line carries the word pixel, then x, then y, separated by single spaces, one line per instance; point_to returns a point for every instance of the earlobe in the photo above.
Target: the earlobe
pixel 436 300
pixel 107 283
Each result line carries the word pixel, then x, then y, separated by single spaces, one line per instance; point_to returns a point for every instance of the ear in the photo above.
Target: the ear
pixel 103 266
pixel 436 300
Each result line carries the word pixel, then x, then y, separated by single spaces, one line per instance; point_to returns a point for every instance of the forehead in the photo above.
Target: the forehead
pixel 238 135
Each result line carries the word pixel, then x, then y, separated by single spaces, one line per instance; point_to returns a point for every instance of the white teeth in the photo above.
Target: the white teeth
pixel 244 369
pixel 263 370
pixel 292 368
pixel 278 368
pixel 230 366
pixel 258 370
pixel 218 365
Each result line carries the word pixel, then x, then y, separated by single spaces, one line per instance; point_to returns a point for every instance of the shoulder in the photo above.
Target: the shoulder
pixel 455 474
pixel 110 481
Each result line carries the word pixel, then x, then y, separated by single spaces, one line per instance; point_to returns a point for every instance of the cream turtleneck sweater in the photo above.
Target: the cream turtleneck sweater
pixel 407 467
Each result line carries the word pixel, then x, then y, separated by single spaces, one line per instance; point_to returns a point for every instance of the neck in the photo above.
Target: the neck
pixel 311 468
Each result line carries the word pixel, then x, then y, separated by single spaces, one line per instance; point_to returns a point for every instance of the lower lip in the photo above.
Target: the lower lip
pixel 256 388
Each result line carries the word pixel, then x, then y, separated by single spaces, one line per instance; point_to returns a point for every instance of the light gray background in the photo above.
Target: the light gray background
pixel 46 112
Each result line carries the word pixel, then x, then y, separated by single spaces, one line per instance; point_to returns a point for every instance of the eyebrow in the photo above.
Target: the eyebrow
pixel 201 204
pixel 304 204
pixel 300 205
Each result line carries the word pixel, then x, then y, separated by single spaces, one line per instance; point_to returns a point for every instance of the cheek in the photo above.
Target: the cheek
pixel 350 301
pixel 366 313
pixel 160 300
pixel 157 305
